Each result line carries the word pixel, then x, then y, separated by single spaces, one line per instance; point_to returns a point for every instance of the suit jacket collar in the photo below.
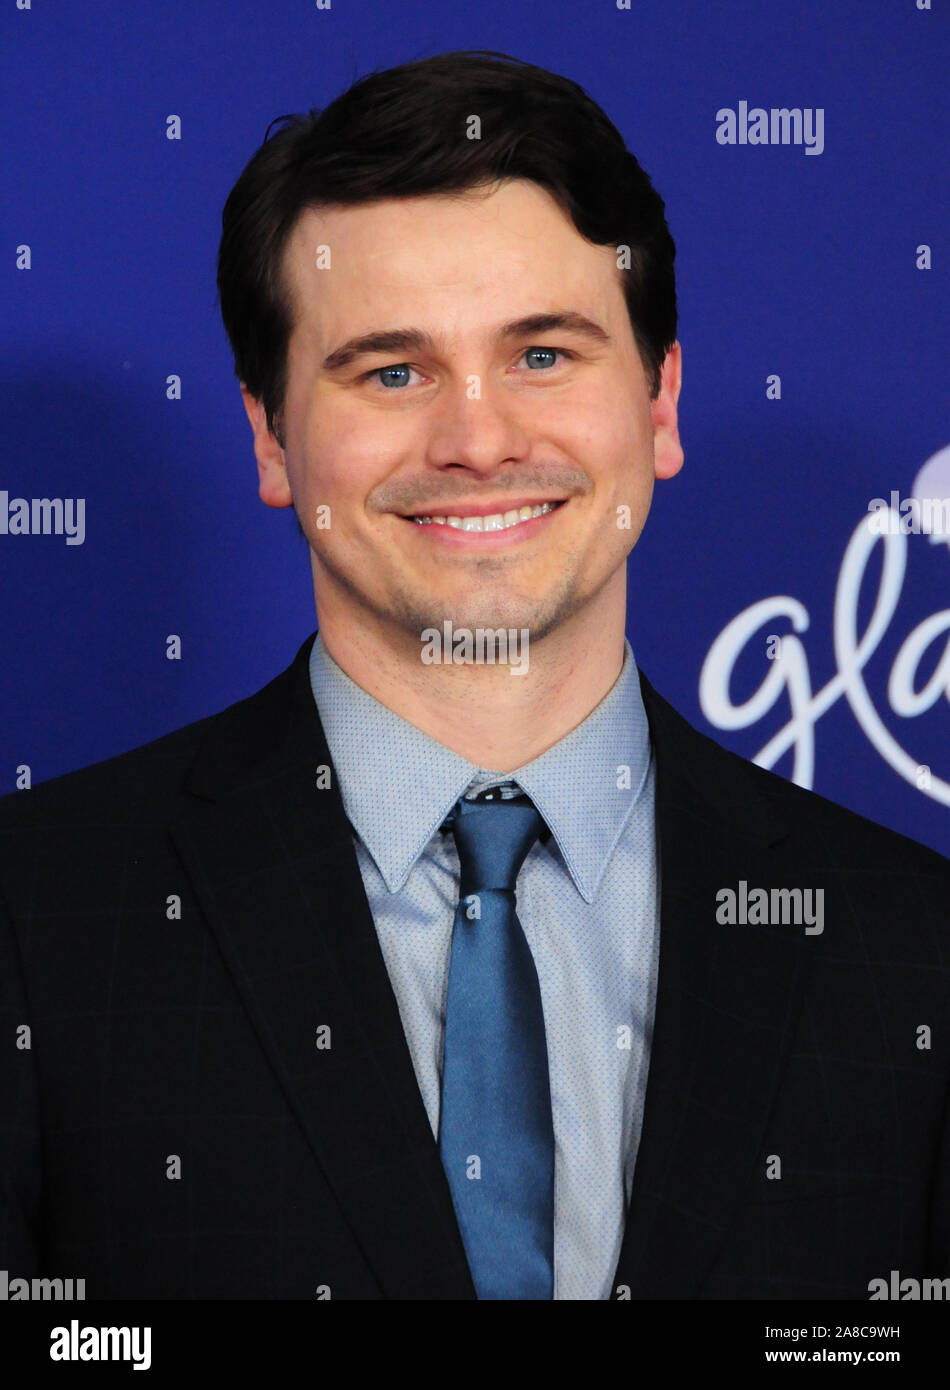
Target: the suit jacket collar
pixel 272 862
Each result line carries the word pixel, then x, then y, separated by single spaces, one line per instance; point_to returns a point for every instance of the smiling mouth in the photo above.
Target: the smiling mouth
pixel 494 521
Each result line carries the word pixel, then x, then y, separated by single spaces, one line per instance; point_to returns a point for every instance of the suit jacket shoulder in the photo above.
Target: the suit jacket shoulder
pixel 144 779
pixel 759 803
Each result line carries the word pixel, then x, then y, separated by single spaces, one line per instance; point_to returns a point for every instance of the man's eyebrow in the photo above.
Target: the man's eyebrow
pixel 409 340
pixel 565 322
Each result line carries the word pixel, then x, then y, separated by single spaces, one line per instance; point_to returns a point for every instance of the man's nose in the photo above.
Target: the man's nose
pixel 473 425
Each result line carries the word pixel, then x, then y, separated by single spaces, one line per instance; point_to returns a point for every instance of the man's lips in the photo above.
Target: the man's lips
pixel 481 508
pixel 470 529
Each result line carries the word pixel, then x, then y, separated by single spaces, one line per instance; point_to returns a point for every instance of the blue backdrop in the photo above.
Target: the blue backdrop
pixel 814 323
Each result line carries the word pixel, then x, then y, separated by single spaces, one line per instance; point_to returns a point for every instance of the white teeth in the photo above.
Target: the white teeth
pixel 496 521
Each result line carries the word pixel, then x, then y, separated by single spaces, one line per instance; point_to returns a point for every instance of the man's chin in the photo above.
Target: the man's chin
pixel 537 618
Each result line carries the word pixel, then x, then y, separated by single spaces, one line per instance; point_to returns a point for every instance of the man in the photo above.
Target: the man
pixel 454 963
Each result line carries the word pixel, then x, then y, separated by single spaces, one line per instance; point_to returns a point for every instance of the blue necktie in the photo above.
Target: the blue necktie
pixel 496 1134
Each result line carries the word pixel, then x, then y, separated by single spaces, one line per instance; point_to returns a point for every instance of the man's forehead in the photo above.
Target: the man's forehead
pixel 505 206
pixel 395 249
pixel 517 224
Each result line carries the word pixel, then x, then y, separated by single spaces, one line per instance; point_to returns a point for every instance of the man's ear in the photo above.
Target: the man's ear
pixel 273 483
pixel 667 450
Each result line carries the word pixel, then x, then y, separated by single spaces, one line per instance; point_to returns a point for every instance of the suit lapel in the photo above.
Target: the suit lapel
pixel 727 1000
pixel 272 862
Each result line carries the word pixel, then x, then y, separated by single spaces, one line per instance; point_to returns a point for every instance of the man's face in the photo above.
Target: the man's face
pixel 469 411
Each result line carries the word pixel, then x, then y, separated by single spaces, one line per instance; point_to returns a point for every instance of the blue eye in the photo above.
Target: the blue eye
pixel 400 372
pixel 544 352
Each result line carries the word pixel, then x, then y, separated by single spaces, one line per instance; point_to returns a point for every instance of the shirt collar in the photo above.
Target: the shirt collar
pixel 398 784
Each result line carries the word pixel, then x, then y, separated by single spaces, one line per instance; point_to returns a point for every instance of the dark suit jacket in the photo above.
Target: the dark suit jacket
pixel 306 1168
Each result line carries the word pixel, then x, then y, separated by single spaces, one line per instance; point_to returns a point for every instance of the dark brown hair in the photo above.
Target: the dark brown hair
pixel 403 132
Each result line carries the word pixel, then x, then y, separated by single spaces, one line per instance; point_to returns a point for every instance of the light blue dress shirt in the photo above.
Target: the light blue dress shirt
pixel 587 898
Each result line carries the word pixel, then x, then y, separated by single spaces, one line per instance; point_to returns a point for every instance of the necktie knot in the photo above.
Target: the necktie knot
pixel 493 839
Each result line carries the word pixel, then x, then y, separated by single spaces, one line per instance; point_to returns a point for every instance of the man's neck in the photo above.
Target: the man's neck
pixel 487 713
